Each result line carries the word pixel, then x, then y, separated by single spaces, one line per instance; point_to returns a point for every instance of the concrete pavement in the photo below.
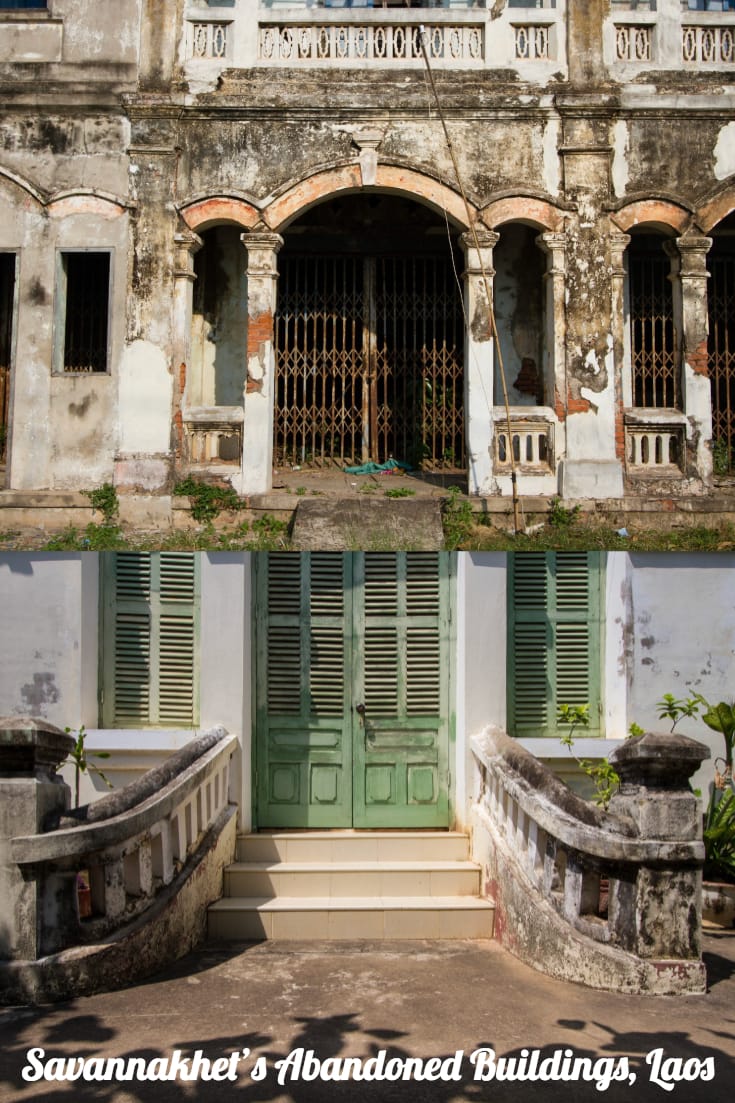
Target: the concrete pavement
pixel 423 999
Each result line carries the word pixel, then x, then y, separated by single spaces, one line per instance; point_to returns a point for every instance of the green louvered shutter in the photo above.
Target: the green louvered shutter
pixel 150 669
pixel 401 774
pixel 303 721
pixel 554 631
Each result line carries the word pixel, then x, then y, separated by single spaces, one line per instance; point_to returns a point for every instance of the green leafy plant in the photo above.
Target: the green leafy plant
pixel 635 730
pixel 560 517
pixel 604 777
pixel 105 500
pixel 80 756
pixel 721 457
pixel 721 718
pixel 456 519
pixel 400 492
pixel 300 491
pixel 719 836
pixel 207 499
pixel 676 710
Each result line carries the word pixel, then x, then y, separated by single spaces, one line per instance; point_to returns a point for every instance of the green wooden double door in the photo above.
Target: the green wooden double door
pixel 353 664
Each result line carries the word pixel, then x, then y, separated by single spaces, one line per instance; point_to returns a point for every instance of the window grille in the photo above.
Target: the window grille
pixel 721 295
pixel 85 293
pixel 7 289
pixel 653 336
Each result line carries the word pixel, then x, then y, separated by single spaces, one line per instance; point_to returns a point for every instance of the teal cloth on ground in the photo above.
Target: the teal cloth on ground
pixel 378 468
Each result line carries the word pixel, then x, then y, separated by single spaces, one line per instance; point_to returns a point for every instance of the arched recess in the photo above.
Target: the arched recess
pixel 652 297
pixel 216 376
pixel 369 332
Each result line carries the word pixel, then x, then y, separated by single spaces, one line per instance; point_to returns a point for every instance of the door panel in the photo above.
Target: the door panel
pixel 353 689
pixel 303 721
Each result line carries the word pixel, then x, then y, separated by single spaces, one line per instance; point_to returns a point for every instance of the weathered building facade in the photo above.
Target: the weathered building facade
pixel 234 235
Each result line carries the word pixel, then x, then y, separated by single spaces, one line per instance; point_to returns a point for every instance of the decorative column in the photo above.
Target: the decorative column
pixel 623 374
pixel 187 244
pixel 695 381
pixel 479 359
pixel 31 752
pixel 257 462
pixel 555 370
pixel 658 915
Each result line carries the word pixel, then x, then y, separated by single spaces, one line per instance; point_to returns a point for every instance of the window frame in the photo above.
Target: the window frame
pixel 551 618
pixel 60 311
pixel 109 716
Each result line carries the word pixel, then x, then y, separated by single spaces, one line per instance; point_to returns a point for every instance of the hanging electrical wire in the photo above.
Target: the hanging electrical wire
pixel 517 522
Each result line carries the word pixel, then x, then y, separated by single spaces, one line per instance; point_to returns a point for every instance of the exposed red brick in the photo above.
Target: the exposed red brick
pixel 698 359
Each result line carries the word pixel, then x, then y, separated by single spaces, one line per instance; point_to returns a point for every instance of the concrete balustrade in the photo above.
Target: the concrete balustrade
pixel 607 898
pixel 135 849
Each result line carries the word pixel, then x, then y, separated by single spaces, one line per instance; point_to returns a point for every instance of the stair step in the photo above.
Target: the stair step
pixel 353 846
pixel 346 918
pixel 339 879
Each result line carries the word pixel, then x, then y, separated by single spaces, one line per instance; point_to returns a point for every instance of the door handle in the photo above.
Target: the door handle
pixel 360 710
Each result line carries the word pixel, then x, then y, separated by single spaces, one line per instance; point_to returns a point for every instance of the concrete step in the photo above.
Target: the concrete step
pixel 318 885
pixel 351 918
pixel 353 846
pixel 370 524
pixel 340 879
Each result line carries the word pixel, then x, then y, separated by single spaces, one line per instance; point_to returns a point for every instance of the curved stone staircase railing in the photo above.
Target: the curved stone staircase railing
pixel 608 899
pixel 114 890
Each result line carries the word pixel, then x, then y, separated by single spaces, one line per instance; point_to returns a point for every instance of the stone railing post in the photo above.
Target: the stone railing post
pixel 658 914
pixel 31 752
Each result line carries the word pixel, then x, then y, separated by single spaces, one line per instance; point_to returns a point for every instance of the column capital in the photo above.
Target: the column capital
pixel 263 247
pixel 186 244
pixel 485 239
pixel 693 251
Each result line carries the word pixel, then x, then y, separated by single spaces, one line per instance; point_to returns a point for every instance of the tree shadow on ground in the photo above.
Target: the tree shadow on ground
pixel 332 1037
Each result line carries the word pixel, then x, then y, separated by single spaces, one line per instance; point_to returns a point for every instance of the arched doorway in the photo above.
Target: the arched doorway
pixel 369 337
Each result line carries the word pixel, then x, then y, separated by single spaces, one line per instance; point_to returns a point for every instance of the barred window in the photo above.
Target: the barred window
pixel 83 311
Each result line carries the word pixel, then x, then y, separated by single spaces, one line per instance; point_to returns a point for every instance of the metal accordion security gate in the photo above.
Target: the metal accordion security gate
pixel 369 361
pixel 721 296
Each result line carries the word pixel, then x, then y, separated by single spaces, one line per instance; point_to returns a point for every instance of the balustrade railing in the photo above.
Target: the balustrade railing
pixel 530 443
pixel 540 842
pixel 104 866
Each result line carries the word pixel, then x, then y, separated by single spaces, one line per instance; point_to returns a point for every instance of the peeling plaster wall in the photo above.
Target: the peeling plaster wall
pixel 113 112
pixel 682 639
pixel 43 636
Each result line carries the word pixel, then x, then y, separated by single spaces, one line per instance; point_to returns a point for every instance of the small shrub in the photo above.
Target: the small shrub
pixel 400 492
pixel 207 500
pixel 456 519
pixel 604 777
pixel 105 500
pixel 560 517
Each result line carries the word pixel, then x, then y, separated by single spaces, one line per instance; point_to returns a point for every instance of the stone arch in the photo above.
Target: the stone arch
pixel 22 184
pixel 216 210
pixel 306 193
pixel 716 209
pixel 528 210
pixel 657 213
pixel 87 201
